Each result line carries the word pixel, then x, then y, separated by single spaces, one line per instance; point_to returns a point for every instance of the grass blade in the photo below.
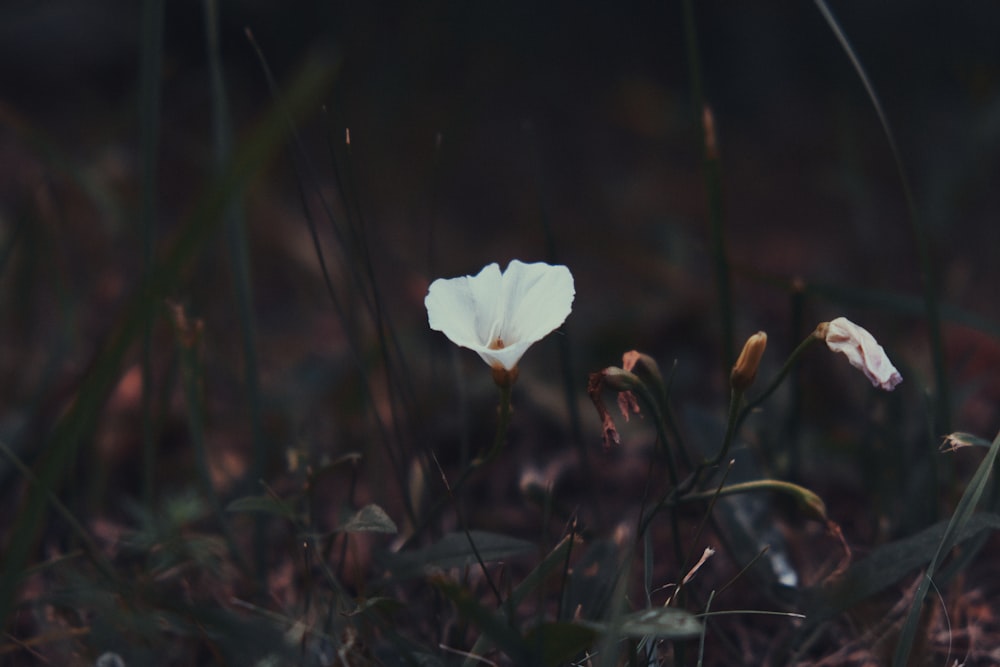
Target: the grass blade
pixel 931 306
pixel 151 65
pixel 62 444
pixel 963 513
pixel 239 256
pixel 713 186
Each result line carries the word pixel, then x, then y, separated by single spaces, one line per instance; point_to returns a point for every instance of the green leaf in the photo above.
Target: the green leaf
pixel 659 622
pixel 662 623
pixel 382 604
pixel 263 504
pixel 492 624
pixel 454 550
pixel 885 566
pixel 959 520
pixel 958 440
pixel 369 519
pixel 76 423
pixel 556 558
pixel 327 469
pixel 559 643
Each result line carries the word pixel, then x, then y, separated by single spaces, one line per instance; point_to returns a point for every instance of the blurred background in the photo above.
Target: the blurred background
pixel 484 133
pixel 565 132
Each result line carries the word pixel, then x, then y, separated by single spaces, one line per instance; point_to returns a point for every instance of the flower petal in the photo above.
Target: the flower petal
pixel 497 315
pixel 465 309
pixel 506 357
pixel 863 351
pixel 538 299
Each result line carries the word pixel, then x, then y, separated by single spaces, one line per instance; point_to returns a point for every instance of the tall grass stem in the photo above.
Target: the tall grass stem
pixel 78 420
pixel 150 92
pixel 239 258
pixel 932 309
pixel 712 172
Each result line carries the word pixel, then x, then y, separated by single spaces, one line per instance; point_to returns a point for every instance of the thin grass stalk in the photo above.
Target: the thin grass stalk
pixel 401 395
pixel 90 548
pixel 569 376
pixel 713 185
pixel 786 368
pixel 38 404
pixel 732 424
pixel 648 563
pixel 355 246
pixel 879 300
pixel 353 502
pixel 705 520
pixel 670 419
pixel 732 427
pixel 354 348
pixel 649 400
pixel 704 630
pixel 564 576
pixel 570 382
pixel 239 257
pixel 303 167
pixel 959 519
pixel 73 426
pixel 793 422
pixel 976 544
pixel 464 525
pixel 191 384
pixel 607 650
pixel 499 439
pixel 150 67
pixel 928 274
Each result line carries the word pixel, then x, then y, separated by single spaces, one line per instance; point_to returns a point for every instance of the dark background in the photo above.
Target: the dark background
pixel 486 132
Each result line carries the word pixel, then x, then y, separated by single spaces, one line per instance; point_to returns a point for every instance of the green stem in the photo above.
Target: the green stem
pixel 191 379
pixel 151 64
pixel 713 185
pixel 91 549
pixel 793 358
pixel 928 276
pixel 738 415
pixel 805 497
pixel 735 399
pixel 503 423
pixel 732 424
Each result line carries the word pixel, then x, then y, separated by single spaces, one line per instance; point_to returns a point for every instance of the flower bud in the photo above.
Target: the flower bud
pixel 745 369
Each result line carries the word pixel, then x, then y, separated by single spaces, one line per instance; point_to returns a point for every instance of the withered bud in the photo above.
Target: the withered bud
pixel 609 434
pixel 620 379
pixel 634 360
pixel 630 359
pixel 745 369
pixel 628 404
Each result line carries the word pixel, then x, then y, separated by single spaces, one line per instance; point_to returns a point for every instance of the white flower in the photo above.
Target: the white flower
pixel 863 351
pixel 499 315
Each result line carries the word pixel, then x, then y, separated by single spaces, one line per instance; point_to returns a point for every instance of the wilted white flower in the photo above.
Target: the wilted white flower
pixel 862 350
pixel 500 315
